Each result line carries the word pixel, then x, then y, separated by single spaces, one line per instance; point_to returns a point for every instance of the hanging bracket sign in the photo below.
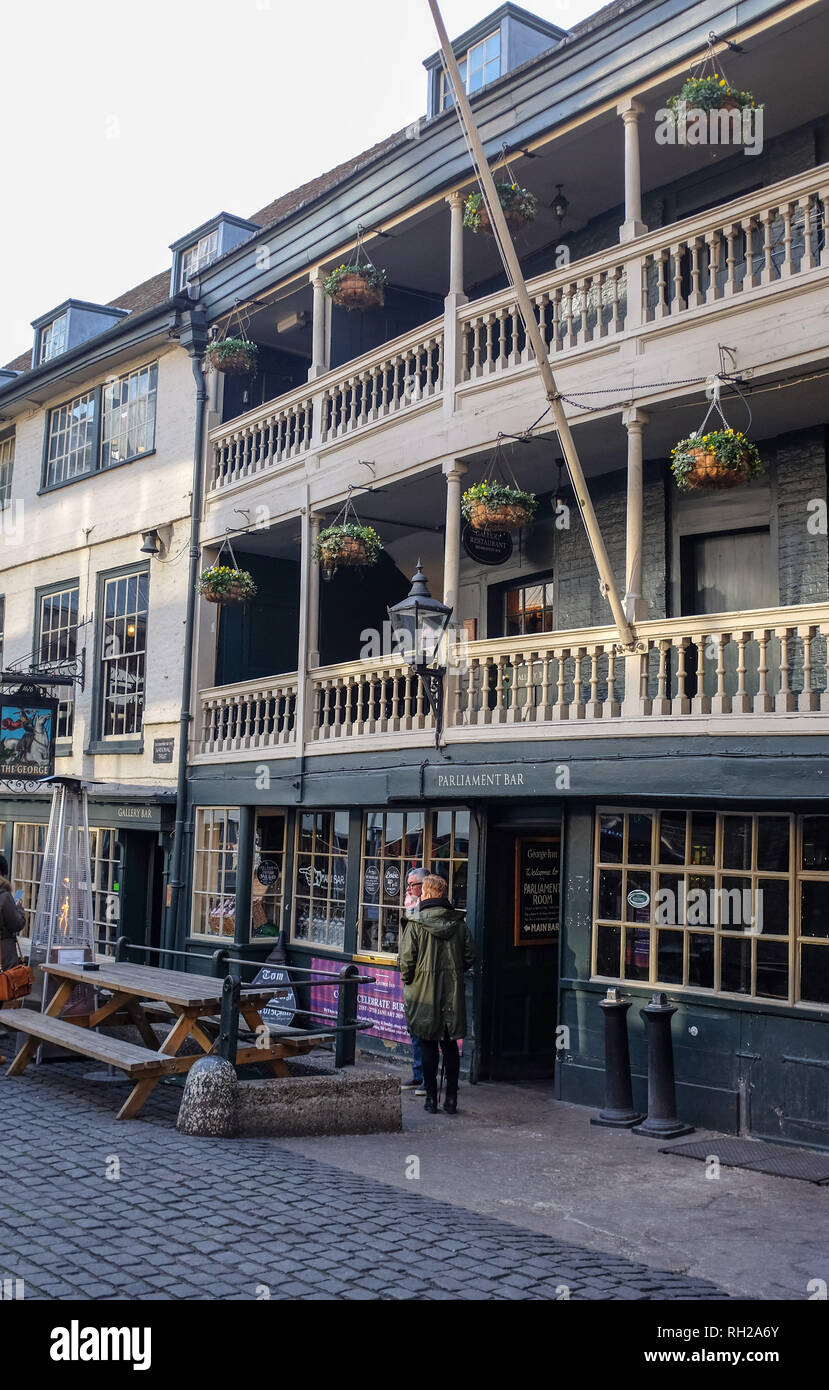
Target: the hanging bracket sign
pixel 27 737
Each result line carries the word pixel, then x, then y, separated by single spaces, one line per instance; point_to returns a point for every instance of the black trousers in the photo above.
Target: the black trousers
pixel 452 1062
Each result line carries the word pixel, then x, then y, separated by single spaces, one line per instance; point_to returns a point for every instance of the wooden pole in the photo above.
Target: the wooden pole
pixel 539 347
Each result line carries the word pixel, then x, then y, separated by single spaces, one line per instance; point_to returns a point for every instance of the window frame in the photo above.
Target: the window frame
pixel 328 856
pixel 7 445
pixel 718 931
pixel 428 861
pixel 68 700
pixel 201 261
pixel 151 370
pixel 45 334
pixel 447 96
pixel 223 896
pixel 96 395
pixel 119 743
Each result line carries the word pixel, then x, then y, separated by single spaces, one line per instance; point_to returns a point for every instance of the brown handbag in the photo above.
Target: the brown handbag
pixel 17 981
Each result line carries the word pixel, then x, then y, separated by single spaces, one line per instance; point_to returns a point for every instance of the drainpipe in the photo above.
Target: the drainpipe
pixel 193 337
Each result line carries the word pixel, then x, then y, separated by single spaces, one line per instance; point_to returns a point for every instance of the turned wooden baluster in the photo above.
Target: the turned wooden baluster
pixel 662 308
pixel 763 702
pixel 721 702
pixel 661 704
pixel 695 296
pixel 676 254
pixel 810 698
pixel 785 700
pixel 767 275
pixel 788 267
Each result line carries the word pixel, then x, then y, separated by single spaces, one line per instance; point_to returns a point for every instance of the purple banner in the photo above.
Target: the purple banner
pixel 380 1004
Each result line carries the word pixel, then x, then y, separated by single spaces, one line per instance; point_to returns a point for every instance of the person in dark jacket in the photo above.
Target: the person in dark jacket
pixel 414 888
pixel 12 921
pixel 12 918
pixel 436 950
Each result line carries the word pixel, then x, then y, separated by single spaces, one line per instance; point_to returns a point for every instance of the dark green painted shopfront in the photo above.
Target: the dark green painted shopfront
pixel 699 866
pixel 129 833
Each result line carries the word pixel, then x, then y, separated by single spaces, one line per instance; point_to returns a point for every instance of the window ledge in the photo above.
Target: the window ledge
pixel 93 473
pixel 63 749
pixel 116 745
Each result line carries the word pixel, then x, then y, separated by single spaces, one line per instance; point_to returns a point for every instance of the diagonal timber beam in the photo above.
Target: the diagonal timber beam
pixel 607 583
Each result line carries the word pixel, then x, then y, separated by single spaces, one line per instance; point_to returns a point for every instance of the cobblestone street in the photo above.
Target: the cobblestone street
pixel 204 1219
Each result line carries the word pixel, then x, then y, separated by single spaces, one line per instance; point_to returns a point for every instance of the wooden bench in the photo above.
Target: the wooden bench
pixel 140 1064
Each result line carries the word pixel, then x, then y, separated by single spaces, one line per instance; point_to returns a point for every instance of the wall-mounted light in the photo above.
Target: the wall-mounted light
pixel 560 204
pixel 149 543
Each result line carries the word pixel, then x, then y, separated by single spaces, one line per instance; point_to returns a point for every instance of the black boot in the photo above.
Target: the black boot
pixel 431 1105
pixel 450 1105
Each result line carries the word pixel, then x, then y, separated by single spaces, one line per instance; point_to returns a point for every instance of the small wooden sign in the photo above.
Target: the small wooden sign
pixel 537 889
pixel 163 750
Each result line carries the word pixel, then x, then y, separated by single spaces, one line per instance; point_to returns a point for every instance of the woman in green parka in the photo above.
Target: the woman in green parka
pixel 436 950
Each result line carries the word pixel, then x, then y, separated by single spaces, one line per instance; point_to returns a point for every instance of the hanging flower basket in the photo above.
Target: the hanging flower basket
pixel 224 584
pixel 347 544
pixel 518 204
pixel 233 356
pixel 493 506
pixel 356 286
pixel 720 459
pixel 700 95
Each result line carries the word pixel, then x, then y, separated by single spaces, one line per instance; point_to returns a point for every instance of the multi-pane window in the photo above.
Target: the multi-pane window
pixel 58 642
pixel 214 871
pixel 319 892
pixel 52 339
pixel 268 883
pixel 128 416
pixel 6 470
pixel 732 902
pixel 195 257
pixel 2 626
pixel 105 854
pixel 481 64
pixel 124 654
pixel 71 439
pixel 106 426
pixel 395 842
pixel 528 608
pixel 27 865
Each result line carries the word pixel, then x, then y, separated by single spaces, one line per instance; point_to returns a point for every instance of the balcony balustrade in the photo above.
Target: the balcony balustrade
pixel 734 672
pixel 767 238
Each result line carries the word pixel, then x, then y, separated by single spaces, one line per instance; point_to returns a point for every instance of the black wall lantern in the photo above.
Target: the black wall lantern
pixel 560 204
pixel 418 625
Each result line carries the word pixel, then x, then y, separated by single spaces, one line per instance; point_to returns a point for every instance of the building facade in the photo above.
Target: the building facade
pixel 647 814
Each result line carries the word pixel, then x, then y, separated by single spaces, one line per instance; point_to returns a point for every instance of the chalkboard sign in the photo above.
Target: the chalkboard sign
pixel 280 1010
pixel 487 547
pixel 537 889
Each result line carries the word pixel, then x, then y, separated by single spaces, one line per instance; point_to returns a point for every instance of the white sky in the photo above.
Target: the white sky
pixel 127 124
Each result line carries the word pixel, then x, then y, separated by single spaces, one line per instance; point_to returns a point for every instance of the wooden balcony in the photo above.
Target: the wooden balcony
pixel 767 242
pixel 759 672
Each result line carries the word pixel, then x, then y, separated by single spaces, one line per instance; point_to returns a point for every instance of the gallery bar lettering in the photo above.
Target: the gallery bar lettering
pixel 480 779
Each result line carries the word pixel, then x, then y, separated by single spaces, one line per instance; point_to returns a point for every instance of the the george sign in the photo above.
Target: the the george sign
pixel 487 547
pixel 163 750
pixel 279 1011
pixel 27 737
pixel 537 890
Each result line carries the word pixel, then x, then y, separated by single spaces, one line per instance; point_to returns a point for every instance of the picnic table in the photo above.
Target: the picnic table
pixel 133 993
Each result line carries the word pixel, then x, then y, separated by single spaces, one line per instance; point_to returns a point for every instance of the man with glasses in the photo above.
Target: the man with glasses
pixel 411 903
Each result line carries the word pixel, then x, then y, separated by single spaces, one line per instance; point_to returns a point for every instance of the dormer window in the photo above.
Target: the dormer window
pixel 53 338
pixel 195 258
pixel 203 245
pixel 479 66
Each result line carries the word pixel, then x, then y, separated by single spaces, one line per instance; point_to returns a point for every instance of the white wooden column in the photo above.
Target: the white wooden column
pixel 635 606
pixel 633 226
pixel 313 595
pixel 319 348
pixel 452 341
pixel 453 472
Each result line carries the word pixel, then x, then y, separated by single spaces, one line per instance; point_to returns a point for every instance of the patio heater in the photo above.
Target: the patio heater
pixel 63 931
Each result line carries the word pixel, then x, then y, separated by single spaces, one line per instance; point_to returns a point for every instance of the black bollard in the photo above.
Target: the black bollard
pixel 345 1047
pixel 618 1110
pixel 662 1122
